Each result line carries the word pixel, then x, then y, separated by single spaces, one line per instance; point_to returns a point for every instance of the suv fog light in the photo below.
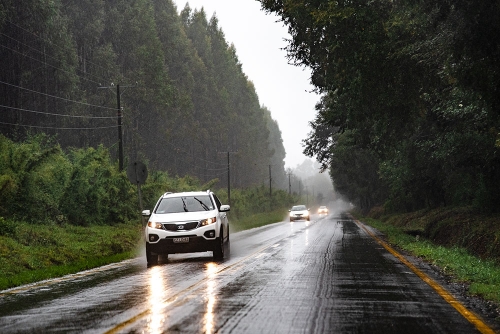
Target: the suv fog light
pixel 153 237
pixel 209 234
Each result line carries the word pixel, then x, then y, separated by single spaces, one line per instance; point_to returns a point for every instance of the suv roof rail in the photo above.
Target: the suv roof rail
pixel 208 191
pixel 167 193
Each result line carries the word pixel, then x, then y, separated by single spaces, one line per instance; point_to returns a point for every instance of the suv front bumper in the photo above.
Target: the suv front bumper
pixel 195 244
pixel 201 239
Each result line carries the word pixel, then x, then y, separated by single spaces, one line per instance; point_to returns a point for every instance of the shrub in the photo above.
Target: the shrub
pixel 97 193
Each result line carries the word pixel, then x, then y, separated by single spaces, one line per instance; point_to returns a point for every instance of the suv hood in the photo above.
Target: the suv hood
pixel 182 216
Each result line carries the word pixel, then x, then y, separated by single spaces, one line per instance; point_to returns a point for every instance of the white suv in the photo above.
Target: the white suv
pixel 187 222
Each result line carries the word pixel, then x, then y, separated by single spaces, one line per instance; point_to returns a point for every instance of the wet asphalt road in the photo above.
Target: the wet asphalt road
pixel 323 276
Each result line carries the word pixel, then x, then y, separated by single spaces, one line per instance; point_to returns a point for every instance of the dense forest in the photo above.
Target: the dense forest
pixel 184 102
pixel 409 115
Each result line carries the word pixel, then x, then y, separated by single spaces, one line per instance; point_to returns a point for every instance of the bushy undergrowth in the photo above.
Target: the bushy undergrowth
pixel 452 226
pixel 39 183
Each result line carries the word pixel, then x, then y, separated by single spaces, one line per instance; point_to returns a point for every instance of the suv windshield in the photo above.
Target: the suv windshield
pixel 185 204
pixel 299 208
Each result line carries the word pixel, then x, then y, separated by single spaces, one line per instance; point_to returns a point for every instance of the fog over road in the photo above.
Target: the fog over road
pixel 328 275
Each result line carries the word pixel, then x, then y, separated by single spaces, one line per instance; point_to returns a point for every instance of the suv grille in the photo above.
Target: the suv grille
pixel 185 226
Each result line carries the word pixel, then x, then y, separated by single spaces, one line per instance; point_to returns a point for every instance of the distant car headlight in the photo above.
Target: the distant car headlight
pixel 158 226
pixel 208 221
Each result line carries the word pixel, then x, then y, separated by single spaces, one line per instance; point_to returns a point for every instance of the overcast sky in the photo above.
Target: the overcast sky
pixel 284 89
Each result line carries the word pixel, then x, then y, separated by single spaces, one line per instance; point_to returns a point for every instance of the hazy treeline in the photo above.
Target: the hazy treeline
pixel 186 101
pixel 409 116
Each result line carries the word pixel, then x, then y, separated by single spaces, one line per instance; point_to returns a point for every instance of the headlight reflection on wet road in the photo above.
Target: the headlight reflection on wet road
pixel 208 319
pixel 157 288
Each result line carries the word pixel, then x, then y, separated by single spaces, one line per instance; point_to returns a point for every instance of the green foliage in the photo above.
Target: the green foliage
pixel 96 193
pixel 417 82
pixel 353 173
pixel 33 177
pixel 7 227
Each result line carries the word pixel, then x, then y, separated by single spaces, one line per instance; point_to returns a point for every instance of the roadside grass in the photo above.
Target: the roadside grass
pixel 257 220
pixel 31 253
pixel 482 276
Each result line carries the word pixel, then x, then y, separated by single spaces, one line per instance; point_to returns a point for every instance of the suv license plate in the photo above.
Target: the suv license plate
pixel 181 240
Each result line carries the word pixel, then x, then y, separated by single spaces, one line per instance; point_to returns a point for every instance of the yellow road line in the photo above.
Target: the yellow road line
pixel 470 316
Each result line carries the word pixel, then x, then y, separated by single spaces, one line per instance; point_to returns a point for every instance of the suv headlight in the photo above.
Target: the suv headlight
pixel 208 221
pixel 158 226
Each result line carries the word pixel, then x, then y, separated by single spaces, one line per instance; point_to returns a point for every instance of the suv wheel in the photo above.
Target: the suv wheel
pixel 219 247
pixel 151 258
pixel 228 246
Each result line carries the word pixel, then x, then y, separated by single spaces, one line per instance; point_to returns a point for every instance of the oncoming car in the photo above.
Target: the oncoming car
pixel 323 210
pixel 299 212
pixel 187 222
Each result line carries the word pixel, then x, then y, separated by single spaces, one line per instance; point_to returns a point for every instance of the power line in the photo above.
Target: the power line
pixel 58 97
pixel 58 128
pixel 61 115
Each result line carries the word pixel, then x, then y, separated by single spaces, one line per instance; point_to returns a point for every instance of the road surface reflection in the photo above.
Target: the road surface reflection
pixel 208 319
pixel 157 288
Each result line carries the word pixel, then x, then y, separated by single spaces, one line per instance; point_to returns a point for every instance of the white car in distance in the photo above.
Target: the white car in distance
pixel 299 212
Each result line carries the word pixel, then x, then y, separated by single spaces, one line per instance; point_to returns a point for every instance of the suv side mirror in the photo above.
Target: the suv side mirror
pixel 146 213
pixel 225 208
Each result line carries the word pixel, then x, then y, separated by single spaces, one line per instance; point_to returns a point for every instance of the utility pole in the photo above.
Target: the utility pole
pixel 289 184
pixel 270 183
pixel 120 132
pixel 270 190
pixel 120 137
pixel 228 177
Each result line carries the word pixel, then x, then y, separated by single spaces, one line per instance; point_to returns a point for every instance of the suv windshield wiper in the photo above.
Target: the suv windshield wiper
pixel 184 205
pixel 203 205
